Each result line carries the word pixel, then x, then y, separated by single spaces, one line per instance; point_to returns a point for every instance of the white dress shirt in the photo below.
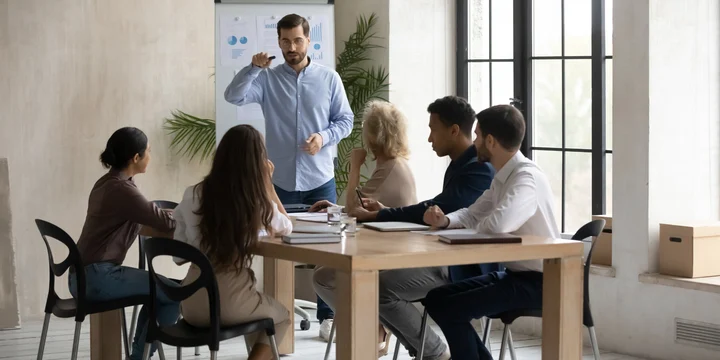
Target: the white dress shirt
pixel 187 221
pixel 519 201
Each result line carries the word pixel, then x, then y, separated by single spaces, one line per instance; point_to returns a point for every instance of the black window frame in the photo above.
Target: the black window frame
pixel 523 87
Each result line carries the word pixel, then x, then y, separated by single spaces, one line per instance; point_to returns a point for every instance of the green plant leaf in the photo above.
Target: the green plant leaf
pixel 362 84
pixel 192 136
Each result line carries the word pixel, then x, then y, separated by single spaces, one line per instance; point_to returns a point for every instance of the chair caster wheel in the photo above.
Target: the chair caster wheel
pixel 305 325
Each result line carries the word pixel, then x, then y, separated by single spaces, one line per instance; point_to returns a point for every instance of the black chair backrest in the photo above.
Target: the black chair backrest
pixel 155 247
pixel 591 229
pixel 163 204
pixel 48 230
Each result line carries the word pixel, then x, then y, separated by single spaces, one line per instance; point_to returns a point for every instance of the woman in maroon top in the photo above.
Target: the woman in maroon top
pixel 116 212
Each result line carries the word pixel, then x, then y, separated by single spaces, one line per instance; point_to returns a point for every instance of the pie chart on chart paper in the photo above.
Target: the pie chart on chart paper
pixel 232 40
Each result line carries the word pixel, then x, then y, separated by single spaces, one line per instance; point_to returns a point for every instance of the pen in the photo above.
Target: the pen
pixel 360 198
pixel 272 57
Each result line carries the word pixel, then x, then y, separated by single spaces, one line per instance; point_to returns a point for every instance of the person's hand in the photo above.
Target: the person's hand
pixel 436 218
pixel 320 206
pixel 261 60
pixel 361 214
pixel 372 204
pixel 313 144
pixel 271 168
pixel 357 157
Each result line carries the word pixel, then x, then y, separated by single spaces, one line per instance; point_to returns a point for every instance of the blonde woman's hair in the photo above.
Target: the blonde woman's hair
pixel 385 129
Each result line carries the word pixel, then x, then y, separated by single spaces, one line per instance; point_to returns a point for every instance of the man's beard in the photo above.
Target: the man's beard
pixel 294 60
pixel 483 153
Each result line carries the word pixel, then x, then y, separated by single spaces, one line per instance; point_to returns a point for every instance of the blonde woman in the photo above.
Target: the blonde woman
pixel 392 183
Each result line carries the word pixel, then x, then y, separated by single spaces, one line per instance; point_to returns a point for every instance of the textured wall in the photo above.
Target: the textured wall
pixel 72 72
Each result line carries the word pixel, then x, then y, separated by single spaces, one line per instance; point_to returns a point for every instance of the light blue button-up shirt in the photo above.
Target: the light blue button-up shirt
pixel 296 106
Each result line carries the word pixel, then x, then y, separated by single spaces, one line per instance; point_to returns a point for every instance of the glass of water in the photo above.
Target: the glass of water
pixel 350 223
pixel 334 214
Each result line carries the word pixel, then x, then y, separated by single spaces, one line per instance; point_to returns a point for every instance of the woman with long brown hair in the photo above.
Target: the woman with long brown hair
pixel 224 216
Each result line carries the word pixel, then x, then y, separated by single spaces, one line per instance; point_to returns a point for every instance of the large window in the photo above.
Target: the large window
pixel 554 56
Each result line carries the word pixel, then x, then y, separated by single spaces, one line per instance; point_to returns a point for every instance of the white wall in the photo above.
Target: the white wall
pixel 422 69
pixel 419 54
pixel 665 109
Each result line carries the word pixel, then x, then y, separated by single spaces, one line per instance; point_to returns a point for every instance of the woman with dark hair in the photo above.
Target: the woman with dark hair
pixel 116 211
pixel 224 216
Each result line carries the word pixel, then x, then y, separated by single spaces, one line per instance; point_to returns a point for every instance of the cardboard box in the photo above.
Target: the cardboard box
pixel 689 250
pixel 602 252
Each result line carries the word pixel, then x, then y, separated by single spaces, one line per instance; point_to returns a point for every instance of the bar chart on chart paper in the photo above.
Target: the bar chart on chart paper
pixel 318 27
pixel 316 33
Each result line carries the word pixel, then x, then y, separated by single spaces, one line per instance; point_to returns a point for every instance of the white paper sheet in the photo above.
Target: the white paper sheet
pixel 238 41
pixel 267 39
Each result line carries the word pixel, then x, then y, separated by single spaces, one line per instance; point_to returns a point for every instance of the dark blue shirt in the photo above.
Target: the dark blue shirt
pixel 465 180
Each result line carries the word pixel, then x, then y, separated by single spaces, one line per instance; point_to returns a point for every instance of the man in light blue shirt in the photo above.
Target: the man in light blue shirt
pixel 306 112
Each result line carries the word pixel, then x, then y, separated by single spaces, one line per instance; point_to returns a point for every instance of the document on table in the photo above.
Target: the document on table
pixel 310 217
pixel 299 214
pixel 446 232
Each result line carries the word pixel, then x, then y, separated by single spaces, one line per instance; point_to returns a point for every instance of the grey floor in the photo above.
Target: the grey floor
pixel 22 344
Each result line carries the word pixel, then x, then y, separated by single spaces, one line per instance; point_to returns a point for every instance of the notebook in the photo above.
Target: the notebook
pixel 296 208
pixel 394 226
pixel 446 232
pixel 317 229
pixel 459 239
pixel 312 238
pixel 313 217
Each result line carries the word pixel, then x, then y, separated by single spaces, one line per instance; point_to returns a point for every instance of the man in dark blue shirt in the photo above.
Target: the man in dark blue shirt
pixel 451 123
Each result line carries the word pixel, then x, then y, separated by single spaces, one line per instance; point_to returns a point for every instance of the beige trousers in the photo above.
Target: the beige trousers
pixel 239 302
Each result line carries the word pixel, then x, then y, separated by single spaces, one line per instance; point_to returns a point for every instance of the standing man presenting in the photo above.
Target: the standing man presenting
pixel 306 113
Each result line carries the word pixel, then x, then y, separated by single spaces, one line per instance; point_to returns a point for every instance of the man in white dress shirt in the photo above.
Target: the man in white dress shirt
pixel 519 201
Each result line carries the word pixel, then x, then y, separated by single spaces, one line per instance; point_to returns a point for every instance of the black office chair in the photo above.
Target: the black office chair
pixel 591 229
pixel 183 334
pixel 163 204
pixel 81 307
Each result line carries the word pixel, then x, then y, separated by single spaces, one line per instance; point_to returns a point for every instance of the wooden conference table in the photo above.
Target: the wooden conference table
pixel 358 260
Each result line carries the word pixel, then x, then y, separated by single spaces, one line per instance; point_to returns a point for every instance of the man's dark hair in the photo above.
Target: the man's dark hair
pixel 292 21
pixel 454 110
pixel 505 123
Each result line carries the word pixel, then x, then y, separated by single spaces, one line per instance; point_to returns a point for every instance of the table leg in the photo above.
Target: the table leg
pixel 279 282
pixel 357 315
pixel 105 340
pixel 562 309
